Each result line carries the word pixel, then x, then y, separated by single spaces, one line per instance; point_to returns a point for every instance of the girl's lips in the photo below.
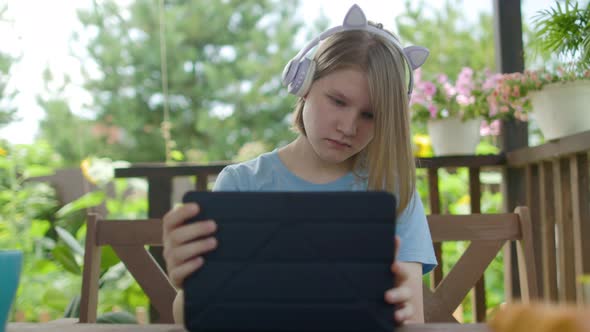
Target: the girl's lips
pixel 337 143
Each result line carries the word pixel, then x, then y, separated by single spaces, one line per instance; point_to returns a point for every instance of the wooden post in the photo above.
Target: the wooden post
pixel 580 182
pixel 159 194
pixel 437 275
pixel 509 58
pixel 478 295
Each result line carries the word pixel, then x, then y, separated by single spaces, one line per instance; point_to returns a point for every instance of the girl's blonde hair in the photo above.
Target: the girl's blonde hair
pixel 388 161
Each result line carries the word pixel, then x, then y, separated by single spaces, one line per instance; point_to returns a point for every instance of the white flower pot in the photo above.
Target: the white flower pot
pixel 562 109
pixel 452 136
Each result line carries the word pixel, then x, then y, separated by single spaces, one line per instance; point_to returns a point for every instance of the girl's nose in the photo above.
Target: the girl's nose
pixel 347 124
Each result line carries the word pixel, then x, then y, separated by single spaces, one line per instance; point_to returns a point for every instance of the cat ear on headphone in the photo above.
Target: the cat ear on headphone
pixel 416 55
pixel 355 17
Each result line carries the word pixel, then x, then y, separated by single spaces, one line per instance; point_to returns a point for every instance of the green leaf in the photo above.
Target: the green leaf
pixel 37 170
pixel 73 309
pixel 54 298
pixel 39 228
pixel 66 259
pixel 69 240
pixel 176 155
pixel 108 258
pixel 119 317
pixel 88 200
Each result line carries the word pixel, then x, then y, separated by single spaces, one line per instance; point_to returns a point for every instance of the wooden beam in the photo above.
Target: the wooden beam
pixel 509 58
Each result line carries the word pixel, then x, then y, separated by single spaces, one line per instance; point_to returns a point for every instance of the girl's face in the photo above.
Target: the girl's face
pixel 338 119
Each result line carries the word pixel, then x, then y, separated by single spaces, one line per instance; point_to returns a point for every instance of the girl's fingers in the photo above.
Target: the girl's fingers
pixel 178 215
pixel 192 249
pixel 404 313
pixel 180 272
pixel 191 232
pixel 398 295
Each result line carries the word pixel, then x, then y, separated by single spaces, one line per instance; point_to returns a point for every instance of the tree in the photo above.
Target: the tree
pixel 453 41
pixel 7 111
pixel 72 137
pixel 223 65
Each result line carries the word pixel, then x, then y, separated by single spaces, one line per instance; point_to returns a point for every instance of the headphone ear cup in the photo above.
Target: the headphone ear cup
pixel 309 74
pixel 303 77
pixel 288 72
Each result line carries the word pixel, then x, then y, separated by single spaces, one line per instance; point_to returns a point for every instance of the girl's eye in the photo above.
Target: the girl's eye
pixel 337 101
pixel 368 115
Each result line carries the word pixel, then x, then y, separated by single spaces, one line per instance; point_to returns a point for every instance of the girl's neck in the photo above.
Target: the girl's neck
pixel 301 159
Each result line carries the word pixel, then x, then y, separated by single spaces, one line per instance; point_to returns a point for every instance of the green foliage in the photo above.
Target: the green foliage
pixel 69 134
pixel 564 29
pixel 7 111
pixel 454 42
pixel 51 237
pixel 224 60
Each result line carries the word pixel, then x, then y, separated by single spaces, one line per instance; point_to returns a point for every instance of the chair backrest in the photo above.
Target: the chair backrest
pixel 128 239
pixel 488 233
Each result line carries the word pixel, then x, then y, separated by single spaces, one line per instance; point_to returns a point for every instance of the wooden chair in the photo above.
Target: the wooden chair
pixel 128 238
pixel 488 233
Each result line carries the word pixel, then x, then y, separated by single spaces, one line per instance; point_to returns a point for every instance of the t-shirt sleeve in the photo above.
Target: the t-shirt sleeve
pixel 416 242
pixel 227 180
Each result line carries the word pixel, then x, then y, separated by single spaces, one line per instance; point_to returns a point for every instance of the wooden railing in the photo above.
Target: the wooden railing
pixel 557 192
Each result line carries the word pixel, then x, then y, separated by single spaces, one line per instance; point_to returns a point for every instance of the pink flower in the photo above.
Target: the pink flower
pixel 418 75
pixel 492 129
pixel 416 98
pixel 429 89
pixel 442 78
pixel 516 91
pixel 491 81
pixel 465 81
pixel 450 90
pixel 464 100
pixel 493 105
pixel 433 110
pixel 466 74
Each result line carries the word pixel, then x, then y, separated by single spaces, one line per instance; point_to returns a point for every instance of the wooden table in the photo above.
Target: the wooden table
pixel 75 327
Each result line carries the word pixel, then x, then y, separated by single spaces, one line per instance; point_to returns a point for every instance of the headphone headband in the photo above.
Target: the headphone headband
pixel 295 73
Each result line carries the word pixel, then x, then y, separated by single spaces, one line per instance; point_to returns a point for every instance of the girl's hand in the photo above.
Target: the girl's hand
pixel 407 293
pixel 184 244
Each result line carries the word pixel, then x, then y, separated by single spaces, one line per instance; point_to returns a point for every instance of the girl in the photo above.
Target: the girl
pixel 353 124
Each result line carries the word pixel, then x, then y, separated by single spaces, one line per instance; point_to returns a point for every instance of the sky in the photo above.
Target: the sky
pixel 40 30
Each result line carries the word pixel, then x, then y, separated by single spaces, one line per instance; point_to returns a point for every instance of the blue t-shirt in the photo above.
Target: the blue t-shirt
pixel 268 173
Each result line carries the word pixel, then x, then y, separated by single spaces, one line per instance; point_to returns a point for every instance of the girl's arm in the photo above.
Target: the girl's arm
pixel 178 308
pixel 413 282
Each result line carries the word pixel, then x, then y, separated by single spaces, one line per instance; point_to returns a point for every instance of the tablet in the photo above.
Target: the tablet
pixel 294 261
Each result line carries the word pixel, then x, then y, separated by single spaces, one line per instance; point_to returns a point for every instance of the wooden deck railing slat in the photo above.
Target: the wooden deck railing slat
pixel 434 196
pixel 565 246
pixel 580 185
pixel 478 295
pixel 548 217
pixel 532 202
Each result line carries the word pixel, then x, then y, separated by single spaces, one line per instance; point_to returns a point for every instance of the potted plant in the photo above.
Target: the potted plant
pixel 557 99
pixel 453 111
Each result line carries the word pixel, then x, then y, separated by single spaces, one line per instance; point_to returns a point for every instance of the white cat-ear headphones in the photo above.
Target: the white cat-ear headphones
pixel 298 73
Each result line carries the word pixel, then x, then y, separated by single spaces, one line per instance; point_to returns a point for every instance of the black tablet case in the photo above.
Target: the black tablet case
pixel 294 261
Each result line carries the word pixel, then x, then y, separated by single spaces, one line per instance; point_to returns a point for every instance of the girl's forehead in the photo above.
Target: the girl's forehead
pixel 350 83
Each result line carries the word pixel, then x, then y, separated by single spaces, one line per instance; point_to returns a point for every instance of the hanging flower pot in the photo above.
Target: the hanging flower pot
pixel 562 109
pixel 451 136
